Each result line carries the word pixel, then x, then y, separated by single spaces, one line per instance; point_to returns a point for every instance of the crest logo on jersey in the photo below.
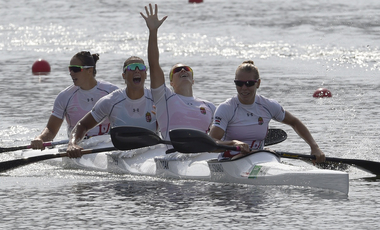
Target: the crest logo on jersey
pixel 203 110
pixel 148 117
pixel 217 120
pixel 260 120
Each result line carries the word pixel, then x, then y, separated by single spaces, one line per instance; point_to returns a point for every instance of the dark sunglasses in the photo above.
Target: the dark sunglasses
pixel 133 66
pixel 178 69
pixel 246 83
pixel 78 68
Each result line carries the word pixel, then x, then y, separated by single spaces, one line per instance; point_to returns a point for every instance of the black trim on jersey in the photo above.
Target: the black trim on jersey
pixel 236 108
pixel 104 90
pixel 167 112
pixel 109 115
pixel 265 109
pixel 68 101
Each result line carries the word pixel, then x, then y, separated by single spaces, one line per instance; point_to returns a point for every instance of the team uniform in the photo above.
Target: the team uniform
pixel 123 111
pixel 177 111
pixel 73 103
pixel 247 123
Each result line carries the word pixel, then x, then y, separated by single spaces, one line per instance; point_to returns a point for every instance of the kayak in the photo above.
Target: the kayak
pixel 265 168
pixel 260 168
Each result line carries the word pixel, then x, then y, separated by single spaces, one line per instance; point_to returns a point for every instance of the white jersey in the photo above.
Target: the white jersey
pixel 247 123
pixel 177 111
pixel 123 111
pixel 73 103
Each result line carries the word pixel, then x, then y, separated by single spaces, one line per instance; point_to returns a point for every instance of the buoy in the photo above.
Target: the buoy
pixel 41 67
pixel 322 92
pixel 195 1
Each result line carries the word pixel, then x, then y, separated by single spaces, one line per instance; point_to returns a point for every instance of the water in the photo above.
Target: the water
pixel 298 46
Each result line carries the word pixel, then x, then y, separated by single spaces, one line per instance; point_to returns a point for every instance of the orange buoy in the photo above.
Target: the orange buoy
pixel 195 1
pixel 41 67
pixel 322 92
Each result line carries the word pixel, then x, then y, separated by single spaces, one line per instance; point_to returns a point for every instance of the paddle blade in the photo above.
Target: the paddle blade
pixel 8 165
pixel 127 138
pixel 191 141
pixel 275 136
pixel 368 166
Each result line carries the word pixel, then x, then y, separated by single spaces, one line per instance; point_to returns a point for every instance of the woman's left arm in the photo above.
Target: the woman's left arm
pixel 304 133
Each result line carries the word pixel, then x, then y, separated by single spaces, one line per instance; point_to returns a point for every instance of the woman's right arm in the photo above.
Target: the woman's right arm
pixel 157 77
pixel 77 134
pixel 48 134
pixel 217 134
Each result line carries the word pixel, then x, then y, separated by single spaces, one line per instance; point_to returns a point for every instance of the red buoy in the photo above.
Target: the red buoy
pixel 41 67
pixel 195 1
pixel 322 92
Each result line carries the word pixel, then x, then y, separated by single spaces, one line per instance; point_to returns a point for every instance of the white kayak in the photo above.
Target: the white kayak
pixel 261 168
pixel 264 168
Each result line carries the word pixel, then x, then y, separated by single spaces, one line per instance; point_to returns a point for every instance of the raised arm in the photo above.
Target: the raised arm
pixel 157 77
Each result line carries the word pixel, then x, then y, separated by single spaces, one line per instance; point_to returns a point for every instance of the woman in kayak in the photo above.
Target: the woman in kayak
pixel 177 108
pixel 131 106
pixel 245 117
pixel 77 100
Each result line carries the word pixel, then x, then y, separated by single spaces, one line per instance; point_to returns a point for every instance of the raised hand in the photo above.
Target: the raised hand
pixel 151 19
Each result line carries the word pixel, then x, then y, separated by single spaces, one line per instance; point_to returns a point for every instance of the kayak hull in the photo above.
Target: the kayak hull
pixel 264 168
pixel 261 168
pixel 184 166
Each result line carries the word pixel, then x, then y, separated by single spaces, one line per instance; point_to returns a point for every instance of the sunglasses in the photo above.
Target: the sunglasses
pixel 78 68
pixel 178 69
pixel 246 83
pixel 133 66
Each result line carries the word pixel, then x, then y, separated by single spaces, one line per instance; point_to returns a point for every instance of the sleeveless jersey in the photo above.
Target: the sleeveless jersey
pixel 247 123
pixel 73 103
pixel 123 111
pixel 177 111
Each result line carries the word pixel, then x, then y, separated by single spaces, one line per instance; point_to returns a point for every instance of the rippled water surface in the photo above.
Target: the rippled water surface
pixel 298 47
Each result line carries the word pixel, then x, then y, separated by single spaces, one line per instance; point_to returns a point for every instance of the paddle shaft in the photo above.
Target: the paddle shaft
pixel 46 144
pixel 191 141
pixel 12 164
pixel 368 166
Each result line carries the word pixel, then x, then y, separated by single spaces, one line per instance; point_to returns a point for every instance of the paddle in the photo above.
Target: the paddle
pixel 366 165
pixel 192 141
pixel 122 137
pixel 275 136
pixel 195 141
pixel 46 144
pixel 127 137
pixel 12 164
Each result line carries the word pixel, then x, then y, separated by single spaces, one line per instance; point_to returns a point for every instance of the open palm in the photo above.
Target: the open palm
pixel 151 18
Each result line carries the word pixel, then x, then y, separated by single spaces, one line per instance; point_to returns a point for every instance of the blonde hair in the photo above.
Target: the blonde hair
pixel 248 66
